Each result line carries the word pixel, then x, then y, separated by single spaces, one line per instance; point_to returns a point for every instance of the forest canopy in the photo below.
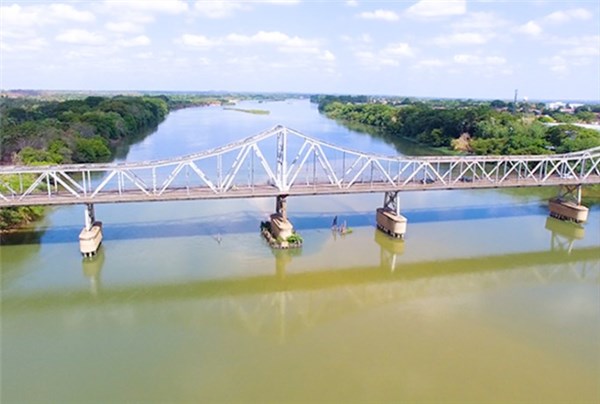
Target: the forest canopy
pixel 477 128
pixel 74 131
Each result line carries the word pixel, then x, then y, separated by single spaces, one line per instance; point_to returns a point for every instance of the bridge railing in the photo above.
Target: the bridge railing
pixel 284 161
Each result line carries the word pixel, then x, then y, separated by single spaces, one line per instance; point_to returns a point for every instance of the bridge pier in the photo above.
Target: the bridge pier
pixel 90 237
pixel 281 227
pixel 567 205
pixel 389 219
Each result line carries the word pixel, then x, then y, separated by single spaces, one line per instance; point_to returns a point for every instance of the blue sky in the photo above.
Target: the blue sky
pixel 457 49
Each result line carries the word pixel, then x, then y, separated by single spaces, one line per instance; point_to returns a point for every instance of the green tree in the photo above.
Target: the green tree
pixel 90 150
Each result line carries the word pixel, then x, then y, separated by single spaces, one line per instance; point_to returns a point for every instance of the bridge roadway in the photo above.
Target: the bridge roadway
pixel 297 165
pixel 261 191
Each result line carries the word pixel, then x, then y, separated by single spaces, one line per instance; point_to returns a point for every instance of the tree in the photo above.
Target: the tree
pixel 90 150
pixel 498 104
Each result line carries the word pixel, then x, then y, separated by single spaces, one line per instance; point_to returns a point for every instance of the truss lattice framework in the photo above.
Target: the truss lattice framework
pixel 283 161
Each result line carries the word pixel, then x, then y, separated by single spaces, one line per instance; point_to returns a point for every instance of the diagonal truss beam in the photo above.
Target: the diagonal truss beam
pixel 283 154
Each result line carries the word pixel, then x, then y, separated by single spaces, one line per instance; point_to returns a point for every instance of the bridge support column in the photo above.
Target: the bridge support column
pixel 90 237
pixel 389 219
pixel 281 227
pixel 567 205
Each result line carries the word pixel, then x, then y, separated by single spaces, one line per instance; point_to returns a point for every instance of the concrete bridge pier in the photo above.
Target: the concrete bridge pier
pixel 280 225
pixel 567 205
pixel 90 237
pixel 389 219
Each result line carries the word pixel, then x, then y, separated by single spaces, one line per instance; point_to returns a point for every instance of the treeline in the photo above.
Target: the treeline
pixel 72 131
pixel 479 128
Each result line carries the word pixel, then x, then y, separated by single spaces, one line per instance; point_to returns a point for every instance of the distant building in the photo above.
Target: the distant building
pixel 556 105
pixel 559 105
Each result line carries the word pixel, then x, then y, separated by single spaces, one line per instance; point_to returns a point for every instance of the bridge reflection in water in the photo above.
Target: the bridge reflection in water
pixel 287 303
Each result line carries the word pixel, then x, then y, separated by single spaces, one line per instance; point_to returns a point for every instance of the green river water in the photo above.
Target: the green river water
pixel 487 299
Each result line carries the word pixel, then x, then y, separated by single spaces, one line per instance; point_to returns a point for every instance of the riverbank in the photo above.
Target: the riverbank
pixel 88 130
pixel 478 128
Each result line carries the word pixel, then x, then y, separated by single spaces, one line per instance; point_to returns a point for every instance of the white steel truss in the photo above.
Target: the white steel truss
pixel 283 161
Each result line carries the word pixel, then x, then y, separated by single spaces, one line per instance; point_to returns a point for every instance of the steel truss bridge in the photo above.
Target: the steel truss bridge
pixel 283 161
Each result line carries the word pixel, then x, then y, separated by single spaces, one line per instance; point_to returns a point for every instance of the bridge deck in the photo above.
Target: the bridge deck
pixel 261 191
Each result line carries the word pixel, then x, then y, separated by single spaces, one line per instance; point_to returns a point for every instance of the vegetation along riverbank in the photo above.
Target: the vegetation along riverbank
pixel 478 127
pixel 472 127
pixel 43 129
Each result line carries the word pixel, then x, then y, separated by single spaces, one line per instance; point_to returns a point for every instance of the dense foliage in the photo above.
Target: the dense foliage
pixel 74 131
pixel 477 128
pixel 71 131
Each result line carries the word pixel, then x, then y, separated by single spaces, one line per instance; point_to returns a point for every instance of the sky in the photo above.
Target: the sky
pixel 548 50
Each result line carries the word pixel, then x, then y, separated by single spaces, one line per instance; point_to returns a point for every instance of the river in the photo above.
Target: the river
pixel 487 299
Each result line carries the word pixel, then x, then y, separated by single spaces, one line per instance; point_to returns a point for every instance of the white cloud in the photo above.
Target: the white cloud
pixel 352 3
pixel 15 15
pixel 476 60
pixel 217 8
pixel 327 56
pixel 530 28
pixel 124 27
pixel 574 41
pixel 67 12
pixel 437 8
pixel 141 40
pixel 271 37
pixel 293 45
pixel 557 64
pixel 129 16
pixel 385 15
pixel 196 41
pixel 80 37
pixel 559 17
pixel 576 51
pixel 25 45
pixel 483 21
pixel 464 38
pixel 399 49
pixel 279 2
pixel 151 6
pixel 144 55
pixel 16 18
pixel 226 8
pixel 494 60
pixel 584 50
pixel 391 55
